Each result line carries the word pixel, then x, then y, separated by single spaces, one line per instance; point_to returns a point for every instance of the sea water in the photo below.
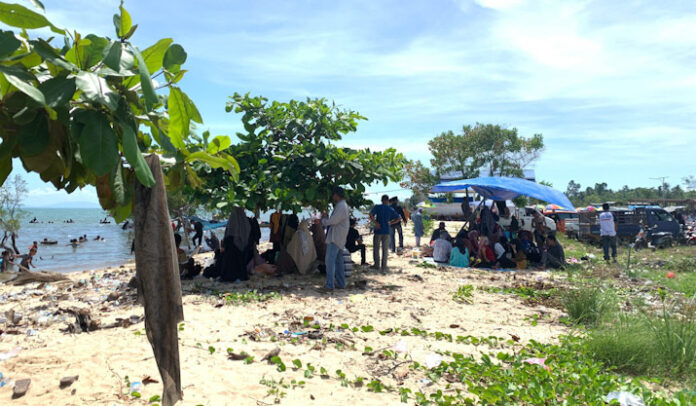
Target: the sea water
pixel 113 250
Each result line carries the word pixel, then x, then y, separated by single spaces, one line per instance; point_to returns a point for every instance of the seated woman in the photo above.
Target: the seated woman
pixel 486 256
pixel 460 253
pixel 501 254
pixel 518 255
pixel 531 251
pixel 187 266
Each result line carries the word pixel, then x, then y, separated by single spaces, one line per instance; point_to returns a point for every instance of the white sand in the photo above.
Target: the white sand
pixel 104 358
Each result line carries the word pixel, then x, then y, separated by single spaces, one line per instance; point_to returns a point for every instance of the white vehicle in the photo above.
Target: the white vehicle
pixel 524 217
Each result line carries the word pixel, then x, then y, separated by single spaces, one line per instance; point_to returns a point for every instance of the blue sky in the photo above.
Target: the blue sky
pixel 610 85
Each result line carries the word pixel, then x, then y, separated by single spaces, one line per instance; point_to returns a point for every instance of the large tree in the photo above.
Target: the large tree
pixel 81 110
pixel 482 147
pixel 77 110
pixel 291 159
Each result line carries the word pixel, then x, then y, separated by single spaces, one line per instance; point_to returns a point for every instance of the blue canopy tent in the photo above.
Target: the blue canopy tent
pixel 209 225
pixel 504 188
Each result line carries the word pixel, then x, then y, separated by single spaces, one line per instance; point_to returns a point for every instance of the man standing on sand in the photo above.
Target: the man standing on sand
pixel 338 225
pixel 383 215
pixel 397 227
pixel 607 231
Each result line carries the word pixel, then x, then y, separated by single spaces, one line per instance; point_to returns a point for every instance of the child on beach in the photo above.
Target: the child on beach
pixel 27 260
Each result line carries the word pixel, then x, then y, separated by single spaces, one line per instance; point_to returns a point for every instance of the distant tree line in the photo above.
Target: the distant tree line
pixel 602 193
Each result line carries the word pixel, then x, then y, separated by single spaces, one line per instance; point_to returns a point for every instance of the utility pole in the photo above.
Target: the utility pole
pixel 664 194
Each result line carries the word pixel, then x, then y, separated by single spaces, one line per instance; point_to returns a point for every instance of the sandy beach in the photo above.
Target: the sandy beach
pixel 406 297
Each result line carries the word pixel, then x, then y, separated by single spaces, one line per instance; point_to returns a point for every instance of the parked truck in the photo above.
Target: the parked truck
pixel 629 223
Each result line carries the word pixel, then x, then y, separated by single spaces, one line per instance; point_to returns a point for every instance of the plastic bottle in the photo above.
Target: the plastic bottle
pixel 136 387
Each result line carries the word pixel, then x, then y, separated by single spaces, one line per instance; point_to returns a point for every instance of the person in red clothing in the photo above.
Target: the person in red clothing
pixel 486 254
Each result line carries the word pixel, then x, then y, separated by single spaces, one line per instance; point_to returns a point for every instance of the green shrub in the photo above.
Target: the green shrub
pixel 587 305
pixel 662 344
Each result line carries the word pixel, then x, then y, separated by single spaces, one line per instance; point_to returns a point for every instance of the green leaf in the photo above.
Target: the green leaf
pixel 98 144
pixel 34 137
pixel 17 78
pixel 125 22
pixel 219 143
pixel 228 164
pixel 92 50
pixel 95 89
pixel 153 57
pixel 118 188
pixel 179 117
pixel 145 80
pixel 174 58
pixel 19 16
pixel 112 56
pixel 8 43
pixel 46 51
pixel 58 91
pixel 5 169
pixel 135 157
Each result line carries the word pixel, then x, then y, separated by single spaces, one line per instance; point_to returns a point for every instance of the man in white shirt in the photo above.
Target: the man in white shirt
pixel 338 225
pixel 607 232
pixel 442 249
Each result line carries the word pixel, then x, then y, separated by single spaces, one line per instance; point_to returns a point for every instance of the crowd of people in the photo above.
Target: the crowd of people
pixel 324 243
pixel 500 249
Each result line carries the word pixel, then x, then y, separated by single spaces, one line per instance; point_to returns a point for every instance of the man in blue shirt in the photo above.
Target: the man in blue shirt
pixel 383 216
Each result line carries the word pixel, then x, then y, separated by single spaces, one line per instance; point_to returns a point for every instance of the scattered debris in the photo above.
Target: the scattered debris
pixel 274 352
pixel 83 321
pixel 68 380
pixel 20 388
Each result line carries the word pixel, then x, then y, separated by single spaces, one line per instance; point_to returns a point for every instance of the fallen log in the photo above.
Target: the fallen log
pixel 24 276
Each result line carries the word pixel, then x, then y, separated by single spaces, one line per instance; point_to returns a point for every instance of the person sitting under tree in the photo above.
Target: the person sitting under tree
pixel 553 256
pixel 354 242
pixel 440 230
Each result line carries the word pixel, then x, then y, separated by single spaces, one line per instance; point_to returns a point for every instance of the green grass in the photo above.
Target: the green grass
pixel 658 345
pixel 588 305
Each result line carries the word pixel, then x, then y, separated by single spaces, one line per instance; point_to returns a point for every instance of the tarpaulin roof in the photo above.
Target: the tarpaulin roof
pixel 504 188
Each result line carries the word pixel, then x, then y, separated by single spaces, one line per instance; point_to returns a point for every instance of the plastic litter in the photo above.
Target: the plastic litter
pixel 31 332
pixel 300 333
pixel 537 361
pixel 401 347
pixel 9 354
pixel 136 387
pixel 433 360
pixel 625 398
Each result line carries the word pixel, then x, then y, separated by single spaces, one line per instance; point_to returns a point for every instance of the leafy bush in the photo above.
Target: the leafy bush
pixel 587 305
pixel 569 376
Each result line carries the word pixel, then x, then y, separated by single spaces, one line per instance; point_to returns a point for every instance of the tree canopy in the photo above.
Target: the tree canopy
pixel 82 109
pixel 488 147
pixel 600 193
pixel 291 159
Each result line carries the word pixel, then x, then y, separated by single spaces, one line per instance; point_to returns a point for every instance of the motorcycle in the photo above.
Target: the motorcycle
pixel 647 238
